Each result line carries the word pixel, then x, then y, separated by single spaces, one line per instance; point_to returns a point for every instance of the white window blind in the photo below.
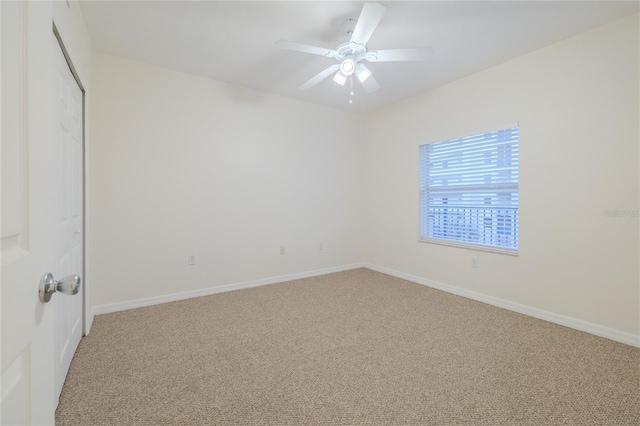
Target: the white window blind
pixel 469 190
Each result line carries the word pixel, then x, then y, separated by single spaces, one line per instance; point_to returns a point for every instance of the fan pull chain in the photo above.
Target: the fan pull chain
pixel 351 89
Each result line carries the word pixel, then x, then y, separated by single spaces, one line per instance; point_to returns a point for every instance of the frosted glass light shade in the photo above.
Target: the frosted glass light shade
pixel 363 73
pixel 340 78
pixel 347 67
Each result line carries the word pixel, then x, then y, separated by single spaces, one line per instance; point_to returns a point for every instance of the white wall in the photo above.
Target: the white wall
pixel 185 165
pixel 577 105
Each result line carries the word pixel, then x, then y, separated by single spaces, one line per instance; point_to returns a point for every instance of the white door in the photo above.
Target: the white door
pixel 29 210
pixel 68 142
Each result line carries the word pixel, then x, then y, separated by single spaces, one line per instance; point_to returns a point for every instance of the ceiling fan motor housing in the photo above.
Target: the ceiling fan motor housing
pixel 351 49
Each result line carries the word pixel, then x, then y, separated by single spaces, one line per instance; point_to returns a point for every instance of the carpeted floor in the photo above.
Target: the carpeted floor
pixel 351 348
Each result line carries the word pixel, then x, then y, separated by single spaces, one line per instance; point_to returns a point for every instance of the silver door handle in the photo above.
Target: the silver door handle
pixel 68 285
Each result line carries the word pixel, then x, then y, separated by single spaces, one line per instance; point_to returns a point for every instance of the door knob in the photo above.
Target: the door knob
pixel 68 285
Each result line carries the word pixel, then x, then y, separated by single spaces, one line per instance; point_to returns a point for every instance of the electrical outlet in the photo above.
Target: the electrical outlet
pixel 474 262
pixel 191 259
pixel 281 250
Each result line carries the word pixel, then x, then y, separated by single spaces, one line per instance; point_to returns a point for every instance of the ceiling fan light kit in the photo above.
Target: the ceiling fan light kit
pixel 350 54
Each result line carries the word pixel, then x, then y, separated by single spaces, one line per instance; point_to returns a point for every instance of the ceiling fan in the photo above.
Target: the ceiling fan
pixel 351 54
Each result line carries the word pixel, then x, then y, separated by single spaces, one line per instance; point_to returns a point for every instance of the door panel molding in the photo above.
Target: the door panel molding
pixel 16 390
pixel 15 185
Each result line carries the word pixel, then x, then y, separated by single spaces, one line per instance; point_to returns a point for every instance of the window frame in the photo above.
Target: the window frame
pixel 465 244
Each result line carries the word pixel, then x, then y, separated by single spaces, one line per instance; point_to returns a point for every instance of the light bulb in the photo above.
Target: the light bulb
pixel 347 67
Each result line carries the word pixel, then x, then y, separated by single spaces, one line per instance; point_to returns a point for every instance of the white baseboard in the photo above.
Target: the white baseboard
pixel 587 327
pixel 173 297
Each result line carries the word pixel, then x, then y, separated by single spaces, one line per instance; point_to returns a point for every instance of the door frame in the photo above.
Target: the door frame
pixel 85 302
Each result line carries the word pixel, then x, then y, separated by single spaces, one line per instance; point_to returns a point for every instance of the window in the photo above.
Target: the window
pixel 469 191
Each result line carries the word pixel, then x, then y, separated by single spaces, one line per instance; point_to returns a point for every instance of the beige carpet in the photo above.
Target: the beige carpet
pixel 352 348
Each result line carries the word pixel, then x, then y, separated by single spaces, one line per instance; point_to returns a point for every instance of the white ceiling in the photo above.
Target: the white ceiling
pixel 234 41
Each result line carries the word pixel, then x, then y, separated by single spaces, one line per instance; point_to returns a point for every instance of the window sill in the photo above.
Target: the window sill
pixel 470 246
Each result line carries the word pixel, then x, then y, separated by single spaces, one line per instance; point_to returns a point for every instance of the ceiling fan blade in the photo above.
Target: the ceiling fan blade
pixel 370 84
pixel 319 77
pixel 367 22
pixel 415 54
pixel 305 48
